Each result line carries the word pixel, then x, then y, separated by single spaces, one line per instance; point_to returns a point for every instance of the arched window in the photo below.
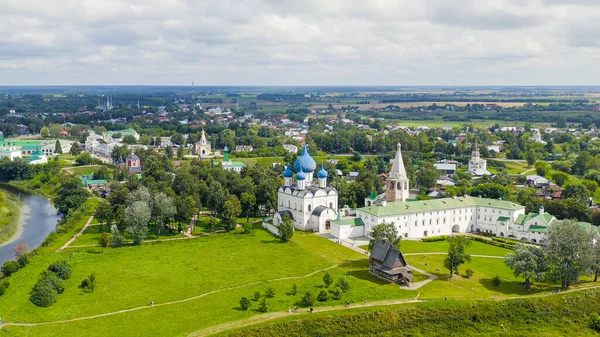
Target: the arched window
pixel 331 205
pixel 309 208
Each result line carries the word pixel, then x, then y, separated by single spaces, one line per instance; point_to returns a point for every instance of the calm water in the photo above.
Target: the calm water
pixel 38 219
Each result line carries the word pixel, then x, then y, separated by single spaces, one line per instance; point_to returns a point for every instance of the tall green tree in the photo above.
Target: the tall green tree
pixel 529 262
pixel 456 253
pixel 286 230
pixel 104 213
pixel 388 232
pixel 70 195
pixel 569 251
pixel 75 149
pixel 427 175
pixel 248 201
pixel 137 216
pixel 57 147
pixel 163 210
pixel 231 211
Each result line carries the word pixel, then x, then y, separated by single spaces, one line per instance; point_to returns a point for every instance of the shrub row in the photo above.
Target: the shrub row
pixel 435 238
pixel 50 284
pixel 494 242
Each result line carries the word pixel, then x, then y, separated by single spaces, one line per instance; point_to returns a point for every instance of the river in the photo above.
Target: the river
pixel 38 219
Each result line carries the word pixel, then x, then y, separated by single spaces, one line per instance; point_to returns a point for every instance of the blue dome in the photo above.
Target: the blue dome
pixel 305 162
pixel 322 173
pixel 300 175
pixel 288 173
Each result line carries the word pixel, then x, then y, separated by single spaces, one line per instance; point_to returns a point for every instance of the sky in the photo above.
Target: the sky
pixel 308 42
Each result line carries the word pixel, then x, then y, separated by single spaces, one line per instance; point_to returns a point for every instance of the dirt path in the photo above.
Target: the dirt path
pixel 274 315
pixel 87 224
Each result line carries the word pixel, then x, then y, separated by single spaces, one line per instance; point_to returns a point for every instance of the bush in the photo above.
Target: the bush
pixel 10 267
pixel 61 269
pixel 595 322
pixel 327 279
pixel 496 281
pixel 23 260
pixel 3 285
pixel 245 303
pixel 270 293
pixel 337 293
pixel 343 284
pixel 309 299
pixel 263 307
pixel 322 296
pixel 256 296
pixel 294 289
pixel 88 284
pixel 469 273
pixel 54 281
pixel 43 294
pixel 435 238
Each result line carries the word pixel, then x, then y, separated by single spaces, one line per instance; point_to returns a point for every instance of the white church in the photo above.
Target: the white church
pixel 477 166
pixel 311 207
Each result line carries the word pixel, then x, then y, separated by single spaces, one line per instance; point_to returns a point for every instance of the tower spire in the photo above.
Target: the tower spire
pixel 398 170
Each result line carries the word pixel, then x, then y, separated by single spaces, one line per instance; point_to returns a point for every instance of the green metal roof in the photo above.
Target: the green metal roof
pixel 32 158
pixel 544 219
pixel 393 208
pixel 129 130
pixel 355 222
pixel 503 218
pixel 86 181
pixel 541 229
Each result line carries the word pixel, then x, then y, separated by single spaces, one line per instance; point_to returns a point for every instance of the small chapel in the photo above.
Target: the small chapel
pixel 310 205
pixel 203 147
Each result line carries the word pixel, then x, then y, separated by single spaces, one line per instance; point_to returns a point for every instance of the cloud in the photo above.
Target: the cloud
pixel 291 42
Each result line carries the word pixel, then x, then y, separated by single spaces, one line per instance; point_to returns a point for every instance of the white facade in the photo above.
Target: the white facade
pixel 310 206
pixel 203 147
pixel 10 152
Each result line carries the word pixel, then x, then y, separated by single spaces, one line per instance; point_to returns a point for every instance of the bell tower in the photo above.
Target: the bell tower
pixel 397 183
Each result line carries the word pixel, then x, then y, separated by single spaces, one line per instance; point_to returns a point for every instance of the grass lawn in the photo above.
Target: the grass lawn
pixel 9 215
pixel 81 170
pixel 478 248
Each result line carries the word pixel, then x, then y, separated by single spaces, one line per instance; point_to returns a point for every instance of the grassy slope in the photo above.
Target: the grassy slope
pixel 549 316
pixel 9 216
pixel 478 248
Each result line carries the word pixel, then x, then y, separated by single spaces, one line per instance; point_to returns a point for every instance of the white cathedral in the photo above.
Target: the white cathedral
pixel 311 207
pixel 477 166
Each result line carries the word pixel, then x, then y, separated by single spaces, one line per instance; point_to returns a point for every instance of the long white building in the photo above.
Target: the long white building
pixel 417 219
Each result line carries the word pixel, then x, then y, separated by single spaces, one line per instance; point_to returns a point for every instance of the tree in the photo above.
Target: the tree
pixel 270 293
pixel 21 249
pixel 163 210
pixel 569 251
pixel 294 289
pixel 70 195
pixel 45 132
pixel 84 158
pixel 337 293
pixel 129 139
pixel 139 194
pixel 581 162
pixel 308 299
pixel 57 147
pixel 231 211
pixel 104 240
pixel 529 262
pixel 75 149
pixel 560 178
pixel 286 230
pixel 427 175
pixel 136 220
pixel 256 295
pixel 180 153
pixel 103 213
pixel 387 232
pixel 10 267
pixel 531 157
pixel 327 279
pixel 262 306
pixel 322 296
pixel 542 168
pixel 343 284
pixel 211 224
pixel 116 238
pixel 119 154
pixel 248 201
pixel 456 253
pixel 245 303
pixel 576 191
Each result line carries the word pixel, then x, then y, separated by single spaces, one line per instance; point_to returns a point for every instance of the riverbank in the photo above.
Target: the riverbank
pixel 9 215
